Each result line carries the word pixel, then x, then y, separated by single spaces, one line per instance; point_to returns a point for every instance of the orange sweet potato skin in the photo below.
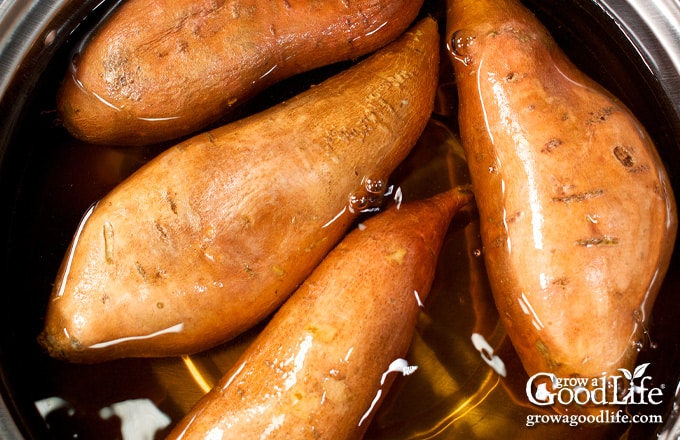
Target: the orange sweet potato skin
pixel 157 70
pixel 578 216
pixel 315 369
pixel 211 236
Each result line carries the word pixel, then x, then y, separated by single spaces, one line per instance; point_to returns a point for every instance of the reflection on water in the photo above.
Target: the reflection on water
pixel 140 419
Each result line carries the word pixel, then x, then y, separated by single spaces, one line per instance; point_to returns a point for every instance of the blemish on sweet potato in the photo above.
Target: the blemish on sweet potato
pixel 551 145
pixel 512 77
pixel 600 115
pixel 561 282
pixel 248 270
pixel 397 256
pixel 514 217
pixel 161 231
pixel 172 203
pixel 544 351
pixel 108 242
pixel 604 240
pixel 140 270
pixel 624 156
pixel 579 197
pixel 75 344
pixel 643 168
pixel 278 270
pixel 498 242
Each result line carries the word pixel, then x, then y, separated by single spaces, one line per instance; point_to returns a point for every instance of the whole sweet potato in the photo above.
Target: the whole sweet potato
pixel 214 234
pixel 578 219
pixel 157 70
pixel 316 368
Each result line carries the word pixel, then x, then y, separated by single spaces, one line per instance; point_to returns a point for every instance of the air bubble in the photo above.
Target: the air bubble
pixel 369 197
pixel 637 316
pixel 477 253
pixel 638 346
pixel 459 45
pixel 374 186
pixel 50 37
pixel 358 202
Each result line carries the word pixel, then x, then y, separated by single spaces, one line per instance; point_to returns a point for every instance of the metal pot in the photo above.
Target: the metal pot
pixel 631 46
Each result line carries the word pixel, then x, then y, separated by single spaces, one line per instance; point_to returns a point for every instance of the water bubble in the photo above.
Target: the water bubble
pixel 358 201
pixel 374 186
pixel 646 341
pixel 50 37
pixel 459 45
pixel 638 346
pixel 369 197
pixel 75 61
pixel 637 316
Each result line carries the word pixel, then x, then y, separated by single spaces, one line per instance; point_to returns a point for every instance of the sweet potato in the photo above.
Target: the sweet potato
pixel 316 368
pixel 215 233
pixel 578 219
pixel 154 71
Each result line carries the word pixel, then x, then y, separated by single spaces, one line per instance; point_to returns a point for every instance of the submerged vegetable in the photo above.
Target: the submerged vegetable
pixel 214 234
pixel 155 71
pixel 578 218
pixel 329 355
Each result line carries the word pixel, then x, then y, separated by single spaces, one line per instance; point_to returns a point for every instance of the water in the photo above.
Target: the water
pixel 459 46
pixel 460 349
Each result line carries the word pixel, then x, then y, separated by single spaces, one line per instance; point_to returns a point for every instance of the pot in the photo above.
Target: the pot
pixel 47 180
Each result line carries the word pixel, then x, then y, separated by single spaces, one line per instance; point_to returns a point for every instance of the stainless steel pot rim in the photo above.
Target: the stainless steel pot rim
pixel 663 18
pixel 21 25
pixel 653 28
pixel 33 26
